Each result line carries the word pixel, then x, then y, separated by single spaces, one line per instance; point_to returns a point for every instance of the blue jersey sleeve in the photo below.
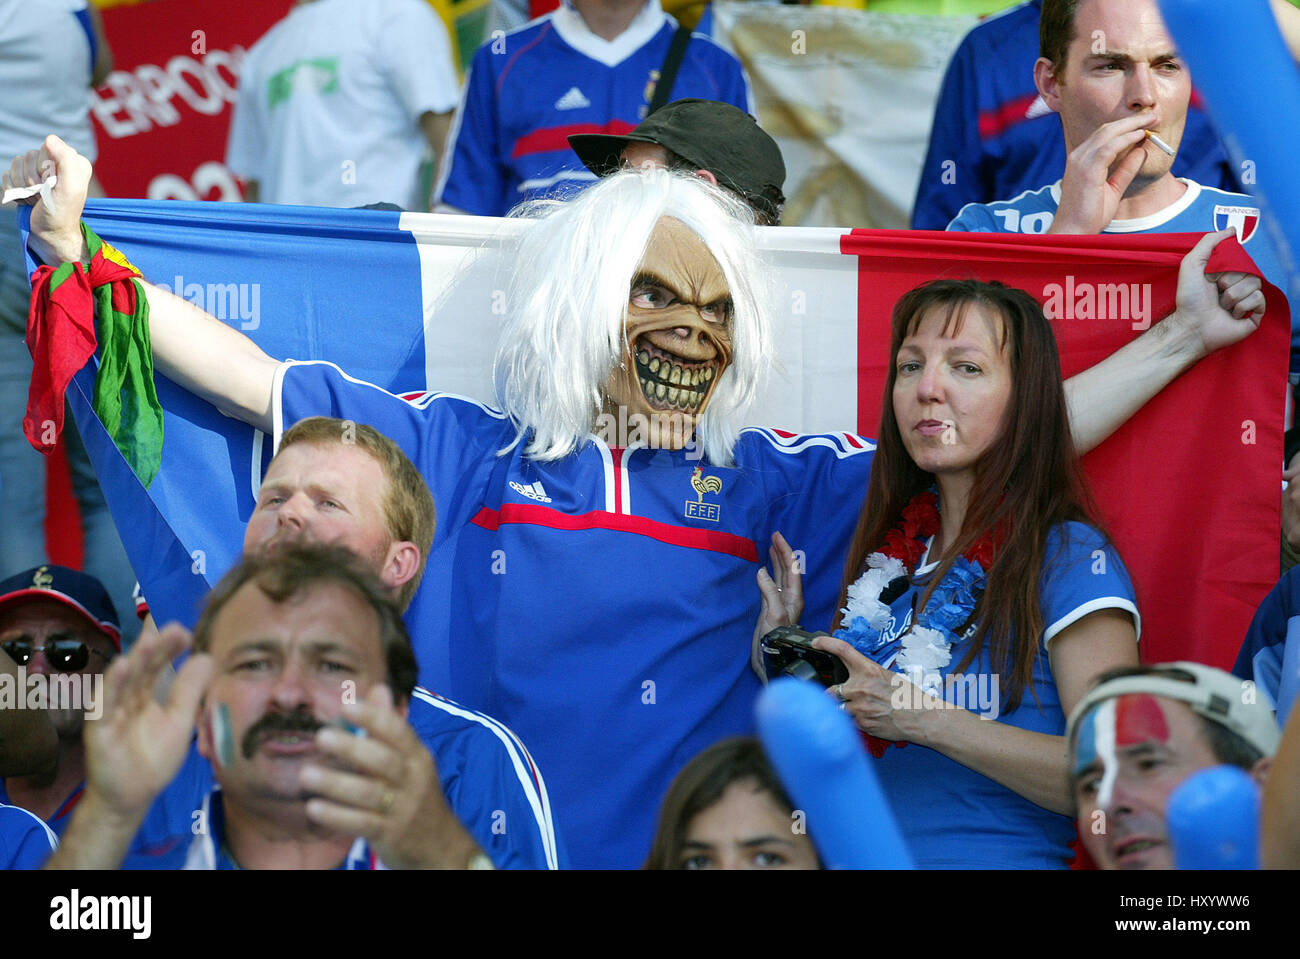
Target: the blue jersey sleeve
pixel 25 841
pixel 1082 573
pixel 1263 651
pixel 815 485
pixel 949 178
pixel 491 783
pixel 452 441
pixel 976 218
pixel 475 178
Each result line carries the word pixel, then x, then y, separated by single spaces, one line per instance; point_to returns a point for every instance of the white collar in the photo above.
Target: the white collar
pixel 1142 224
pixel 574 31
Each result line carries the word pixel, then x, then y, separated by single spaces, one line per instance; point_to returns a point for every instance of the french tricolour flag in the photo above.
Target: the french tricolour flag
pixel 413 302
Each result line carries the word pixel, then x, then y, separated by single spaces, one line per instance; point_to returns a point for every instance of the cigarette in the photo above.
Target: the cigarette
pixel 1159 142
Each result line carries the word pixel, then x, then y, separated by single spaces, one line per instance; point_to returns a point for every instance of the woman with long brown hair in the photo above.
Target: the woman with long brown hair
pixel 977 578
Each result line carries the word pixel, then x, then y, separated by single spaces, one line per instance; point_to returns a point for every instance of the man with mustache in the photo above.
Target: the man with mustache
pixel 300 682
pixel 345 484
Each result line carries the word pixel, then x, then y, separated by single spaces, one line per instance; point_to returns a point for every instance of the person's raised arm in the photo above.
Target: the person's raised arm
pixel 191 347
pixel 1214 310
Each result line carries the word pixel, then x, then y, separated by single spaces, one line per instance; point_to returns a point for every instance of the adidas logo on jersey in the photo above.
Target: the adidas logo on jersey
pixel 534 491
pixel 573 100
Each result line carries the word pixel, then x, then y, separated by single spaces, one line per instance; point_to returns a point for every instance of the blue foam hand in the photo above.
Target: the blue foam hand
pixel 817 753
pixel 1213 820
pixel 1250 83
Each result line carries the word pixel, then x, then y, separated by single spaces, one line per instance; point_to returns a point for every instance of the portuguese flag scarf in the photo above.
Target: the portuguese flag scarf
pixel 70 304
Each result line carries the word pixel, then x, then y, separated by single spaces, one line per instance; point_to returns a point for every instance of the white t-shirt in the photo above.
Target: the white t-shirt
pixel 330 101
pixel 45 66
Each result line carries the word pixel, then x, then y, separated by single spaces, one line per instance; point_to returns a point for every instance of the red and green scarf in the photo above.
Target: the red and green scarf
pixel 70 305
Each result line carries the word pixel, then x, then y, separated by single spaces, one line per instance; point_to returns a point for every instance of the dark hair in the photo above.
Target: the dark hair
pixel 1026 483
pixel 1227 746
pixel 700 784
pixel 767 211
pixel 1056 31
pixel 409 513
pixel 299 567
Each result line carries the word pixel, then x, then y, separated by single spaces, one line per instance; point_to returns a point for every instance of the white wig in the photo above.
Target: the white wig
pixel 569 296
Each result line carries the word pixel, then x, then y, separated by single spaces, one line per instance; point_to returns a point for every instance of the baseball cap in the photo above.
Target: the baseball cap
pixel 1210 692
pixel 708 134
pixel 74 589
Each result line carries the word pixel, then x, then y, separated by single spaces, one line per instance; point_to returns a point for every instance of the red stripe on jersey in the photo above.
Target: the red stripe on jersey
pixel 616 457
pixel 1000 119
pixel 531 514
pixel 557 138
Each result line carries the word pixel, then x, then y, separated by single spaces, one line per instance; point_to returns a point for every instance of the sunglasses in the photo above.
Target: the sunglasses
pixel 64 655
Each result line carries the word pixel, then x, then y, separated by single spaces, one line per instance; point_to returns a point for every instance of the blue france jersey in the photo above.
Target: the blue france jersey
pixel 1269 654
pixel 954 817
pixel 602 604
pixel 1201 209
pixel 25 841
pixel 529 89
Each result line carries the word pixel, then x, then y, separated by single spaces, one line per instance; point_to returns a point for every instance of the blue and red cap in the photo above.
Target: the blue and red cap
pixel 74 589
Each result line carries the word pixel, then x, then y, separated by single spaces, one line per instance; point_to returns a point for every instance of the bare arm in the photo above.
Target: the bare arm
pixel 190 346
pixel 28 742
pixel 435 127
pixel 1029 763
pixel 103 65
pixel 1213 311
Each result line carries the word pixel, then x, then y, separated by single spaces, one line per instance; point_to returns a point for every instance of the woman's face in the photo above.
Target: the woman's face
pixel 951 392
pixel 747 828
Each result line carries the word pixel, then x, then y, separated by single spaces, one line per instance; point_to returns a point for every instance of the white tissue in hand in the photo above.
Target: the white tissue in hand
pixel 15 193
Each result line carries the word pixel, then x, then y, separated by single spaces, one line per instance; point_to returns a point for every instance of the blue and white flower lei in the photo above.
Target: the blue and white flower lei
pixel 926 647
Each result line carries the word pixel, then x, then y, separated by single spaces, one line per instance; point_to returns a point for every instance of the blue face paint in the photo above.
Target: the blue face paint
pixel 1085 742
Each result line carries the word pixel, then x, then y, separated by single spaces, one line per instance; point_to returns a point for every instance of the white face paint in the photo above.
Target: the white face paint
pixel 1104 744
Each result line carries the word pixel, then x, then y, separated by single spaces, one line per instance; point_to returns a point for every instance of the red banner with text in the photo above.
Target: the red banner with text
pixel 162 116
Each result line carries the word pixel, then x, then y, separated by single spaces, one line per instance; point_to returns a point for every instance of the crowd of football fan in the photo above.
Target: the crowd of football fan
pixel 241 728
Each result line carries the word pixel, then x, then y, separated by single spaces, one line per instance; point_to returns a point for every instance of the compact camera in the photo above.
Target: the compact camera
pixel 788 651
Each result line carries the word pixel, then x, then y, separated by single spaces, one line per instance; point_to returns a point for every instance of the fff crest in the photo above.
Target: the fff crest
pixel 702 484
